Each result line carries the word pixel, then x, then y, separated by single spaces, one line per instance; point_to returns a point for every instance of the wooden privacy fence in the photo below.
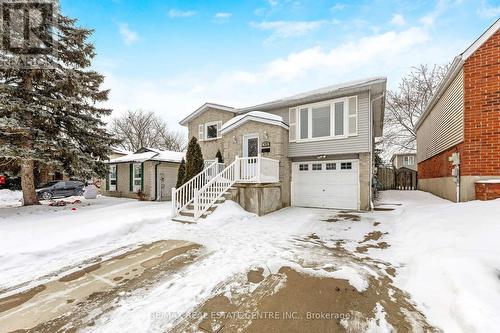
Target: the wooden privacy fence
pixel 396 179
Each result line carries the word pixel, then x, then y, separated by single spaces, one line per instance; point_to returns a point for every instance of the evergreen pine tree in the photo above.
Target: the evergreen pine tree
pixel 218 156
pixel 51 115
pixel 194 160
pixel 181 173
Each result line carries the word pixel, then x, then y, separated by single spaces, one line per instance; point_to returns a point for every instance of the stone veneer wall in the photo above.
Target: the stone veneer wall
pixel 278 136
pixel 209 147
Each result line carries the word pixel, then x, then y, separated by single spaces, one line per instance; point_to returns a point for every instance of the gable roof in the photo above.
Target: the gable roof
pixel 455 68
pixel 259 116
pixel 204 108
pixel 150 154
pixel 322 93
pixel 376 86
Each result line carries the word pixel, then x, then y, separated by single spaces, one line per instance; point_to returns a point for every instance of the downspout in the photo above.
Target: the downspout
pixel 156 180
pixel 372 205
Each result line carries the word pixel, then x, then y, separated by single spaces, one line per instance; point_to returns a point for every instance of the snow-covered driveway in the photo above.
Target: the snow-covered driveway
pixel 425 246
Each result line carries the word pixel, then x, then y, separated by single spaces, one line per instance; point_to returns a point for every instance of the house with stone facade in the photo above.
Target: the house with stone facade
pixel 458 135
pixel 314 149
pixel 151 171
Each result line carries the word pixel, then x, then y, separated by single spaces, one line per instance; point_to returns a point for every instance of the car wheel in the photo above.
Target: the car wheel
pixel 46 195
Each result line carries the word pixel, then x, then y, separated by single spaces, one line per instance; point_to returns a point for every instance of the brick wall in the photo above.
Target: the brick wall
pixel 487 191
pixel 438 165
pixel 481 147
pixel 480 150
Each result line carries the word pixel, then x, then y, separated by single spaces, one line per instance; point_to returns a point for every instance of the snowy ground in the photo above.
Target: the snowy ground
pixel 446 254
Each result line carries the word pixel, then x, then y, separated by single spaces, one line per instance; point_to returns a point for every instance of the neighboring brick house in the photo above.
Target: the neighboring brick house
pixel 314 149
pixel 404 160
pixel 463 117
pixel 152 171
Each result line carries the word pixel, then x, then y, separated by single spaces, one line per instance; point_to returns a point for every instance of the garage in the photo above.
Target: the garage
pixel 326 184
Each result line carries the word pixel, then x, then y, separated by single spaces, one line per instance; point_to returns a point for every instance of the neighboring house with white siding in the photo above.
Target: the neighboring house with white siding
pixel 321 143
pixel 404 160
pixel 152 171
pixel 463 120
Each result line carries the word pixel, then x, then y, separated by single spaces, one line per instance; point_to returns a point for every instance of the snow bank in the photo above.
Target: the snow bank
pixel 450 258
pixel 10 198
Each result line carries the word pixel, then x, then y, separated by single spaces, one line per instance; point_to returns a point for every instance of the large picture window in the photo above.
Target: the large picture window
pixel 321 121
pixel 326 120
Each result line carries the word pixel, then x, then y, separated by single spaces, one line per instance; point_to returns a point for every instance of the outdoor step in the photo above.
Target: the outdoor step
pixel 217 202
pixel 184 219
pixel 190 212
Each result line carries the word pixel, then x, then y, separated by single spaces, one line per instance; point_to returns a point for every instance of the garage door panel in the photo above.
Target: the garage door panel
pixel 325 188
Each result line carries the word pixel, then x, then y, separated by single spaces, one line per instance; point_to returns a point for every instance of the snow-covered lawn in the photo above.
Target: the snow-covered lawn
pixel 447 255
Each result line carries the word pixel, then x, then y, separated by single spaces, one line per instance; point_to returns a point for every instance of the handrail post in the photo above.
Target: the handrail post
pixel 174 202
pixel 259 161
pixel 237 168
pixel 196 203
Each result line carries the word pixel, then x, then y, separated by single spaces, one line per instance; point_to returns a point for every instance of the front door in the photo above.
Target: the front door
pixel 250 153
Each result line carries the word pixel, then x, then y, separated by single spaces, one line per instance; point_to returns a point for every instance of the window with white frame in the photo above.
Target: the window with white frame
pixel 331 166
pixel 209 131
pixel 345 166
pixel 137 177
pixel 408 160
pixel 317 166
pixel 112 177
pixel 331 119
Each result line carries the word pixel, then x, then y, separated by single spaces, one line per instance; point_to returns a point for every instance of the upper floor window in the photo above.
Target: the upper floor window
pixel 324 120
pixel 408 160
pixel 209 131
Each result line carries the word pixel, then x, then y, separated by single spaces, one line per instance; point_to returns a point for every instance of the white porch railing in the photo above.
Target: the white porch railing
pixel 184 195
pixel 219 167
pixel 205 189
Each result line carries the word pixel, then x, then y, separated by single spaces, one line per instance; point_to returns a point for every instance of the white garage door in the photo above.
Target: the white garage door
pixel 326 184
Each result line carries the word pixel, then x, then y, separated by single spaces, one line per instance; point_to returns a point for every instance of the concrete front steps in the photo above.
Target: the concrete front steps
pixel 187 214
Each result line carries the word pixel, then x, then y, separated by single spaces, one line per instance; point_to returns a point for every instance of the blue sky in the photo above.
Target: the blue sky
pixel 172 56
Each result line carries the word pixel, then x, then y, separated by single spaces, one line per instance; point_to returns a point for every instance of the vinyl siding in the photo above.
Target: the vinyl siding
pixel 444 126
pixel 353 144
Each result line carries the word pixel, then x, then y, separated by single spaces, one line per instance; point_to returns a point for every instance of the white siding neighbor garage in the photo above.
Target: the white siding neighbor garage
pixel 326 184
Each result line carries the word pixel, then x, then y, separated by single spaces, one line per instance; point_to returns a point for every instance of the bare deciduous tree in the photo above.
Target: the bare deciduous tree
pixel 405 105
pixel 137 129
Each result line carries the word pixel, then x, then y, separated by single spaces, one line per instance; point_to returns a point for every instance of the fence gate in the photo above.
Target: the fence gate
pixel 405 179
pixel 396 179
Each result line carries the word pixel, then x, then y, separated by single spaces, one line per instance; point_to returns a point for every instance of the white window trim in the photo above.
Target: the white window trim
pixel 136 187
pixel 112 188
pixel 218 124
pixel 349 116
pixel 332 135
pixel 410 158
pixel 292 126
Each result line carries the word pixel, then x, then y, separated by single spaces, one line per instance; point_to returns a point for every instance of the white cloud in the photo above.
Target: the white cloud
pixel 181 13
pixel 222 16
pixel 390 53
pixel 398 19
pixel 286 29
pixel 272 3
pixel 129 37
pixel 429 19
pixel 487 10
pixel 338 7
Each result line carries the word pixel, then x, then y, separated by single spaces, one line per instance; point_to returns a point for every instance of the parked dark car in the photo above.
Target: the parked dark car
pixel 60 189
